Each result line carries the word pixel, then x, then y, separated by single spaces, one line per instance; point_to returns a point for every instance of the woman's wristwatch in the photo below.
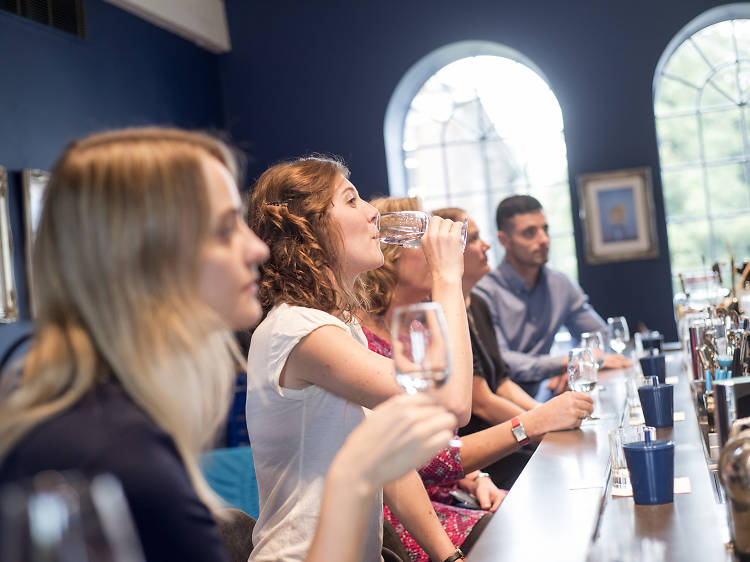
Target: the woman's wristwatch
pixel 519 432
pixel 458 555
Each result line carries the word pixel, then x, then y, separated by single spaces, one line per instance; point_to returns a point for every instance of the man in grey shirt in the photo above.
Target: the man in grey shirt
pixel 529 301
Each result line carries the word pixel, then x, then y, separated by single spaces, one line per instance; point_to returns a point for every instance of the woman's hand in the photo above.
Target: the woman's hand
pixel 488 495
pixel 442 248
pixel 561 412
pixel 402 433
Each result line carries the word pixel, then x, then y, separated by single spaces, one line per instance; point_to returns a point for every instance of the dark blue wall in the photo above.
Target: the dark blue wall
pixel 57 87
pixel 318 77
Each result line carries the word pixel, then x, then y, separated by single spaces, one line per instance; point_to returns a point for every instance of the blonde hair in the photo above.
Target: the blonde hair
pixel 455 214
pixel 115 274
pixel 380 284
pixel 289 211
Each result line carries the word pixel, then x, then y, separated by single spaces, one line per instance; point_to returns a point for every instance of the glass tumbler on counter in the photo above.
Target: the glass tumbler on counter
pixel 617 438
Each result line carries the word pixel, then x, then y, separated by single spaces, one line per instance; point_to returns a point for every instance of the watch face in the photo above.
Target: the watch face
pixel 519 433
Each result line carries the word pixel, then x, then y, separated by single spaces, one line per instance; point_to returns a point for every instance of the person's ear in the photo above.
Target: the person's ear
pixel 503 238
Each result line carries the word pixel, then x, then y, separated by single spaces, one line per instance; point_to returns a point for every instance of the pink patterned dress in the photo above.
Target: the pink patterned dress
pixel 440 477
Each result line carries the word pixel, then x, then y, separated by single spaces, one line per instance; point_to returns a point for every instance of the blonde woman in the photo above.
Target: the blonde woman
pixel 143 265
pixel 311 375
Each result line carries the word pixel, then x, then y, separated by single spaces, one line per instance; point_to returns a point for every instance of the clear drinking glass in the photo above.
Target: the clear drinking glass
pixel 617 438
pixel 618 332
pixel 595 342
pixel 406 228
pixel 421 351
pixel 582 371
pixel 59 516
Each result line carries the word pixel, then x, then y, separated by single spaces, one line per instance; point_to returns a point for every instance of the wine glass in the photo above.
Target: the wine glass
pixel 65 516
pixel 582 371
pixel 619 335
pixel 406 228
pixel 595 342
pixel 421 353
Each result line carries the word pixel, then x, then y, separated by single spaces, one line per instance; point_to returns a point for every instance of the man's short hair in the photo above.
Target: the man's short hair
pixel 515 205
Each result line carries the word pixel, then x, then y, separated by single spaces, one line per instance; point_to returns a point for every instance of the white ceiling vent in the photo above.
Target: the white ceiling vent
pixel 203 22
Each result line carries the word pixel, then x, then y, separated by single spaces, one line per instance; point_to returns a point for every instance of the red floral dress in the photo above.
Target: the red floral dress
pixel 440 477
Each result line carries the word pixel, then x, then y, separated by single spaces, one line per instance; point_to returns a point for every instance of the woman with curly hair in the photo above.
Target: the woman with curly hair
pixel 311 376
pixel 403 280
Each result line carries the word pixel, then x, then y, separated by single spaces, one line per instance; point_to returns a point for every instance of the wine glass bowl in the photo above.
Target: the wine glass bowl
pixel 619 335
pixel 595 342
pixel 420 347
pixel 406 228
pixel 421 351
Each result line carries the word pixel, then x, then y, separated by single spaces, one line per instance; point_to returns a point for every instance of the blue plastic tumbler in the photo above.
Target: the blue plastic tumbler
pixel 655 366
pixel 651 467
pixel 657 402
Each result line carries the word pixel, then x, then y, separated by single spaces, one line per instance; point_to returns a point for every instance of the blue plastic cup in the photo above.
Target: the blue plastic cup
pixel 651 468
pixel 655 366
pixel 657 402
pixel 652 342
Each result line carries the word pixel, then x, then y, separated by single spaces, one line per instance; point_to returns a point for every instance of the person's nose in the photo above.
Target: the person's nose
pixel 256 251
pixel 373 215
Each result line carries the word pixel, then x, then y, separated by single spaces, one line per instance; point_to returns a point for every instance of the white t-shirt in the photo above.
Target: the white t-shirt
pixel 294 435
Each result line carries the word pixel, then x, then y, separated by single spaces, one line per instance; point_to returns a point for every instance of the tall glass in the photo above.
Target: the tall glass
pixel 582 371
pixel 406 228
pixel 618 332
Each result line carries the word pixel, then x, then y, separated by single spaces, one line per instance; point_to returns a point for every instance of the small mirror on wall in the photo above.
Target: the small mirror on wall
pixel 34 184
pixel 8 308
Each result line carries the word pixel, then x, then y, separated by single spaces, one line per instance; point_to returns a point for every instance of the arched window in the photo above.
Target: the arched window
pixel 701 95
pixel 472 123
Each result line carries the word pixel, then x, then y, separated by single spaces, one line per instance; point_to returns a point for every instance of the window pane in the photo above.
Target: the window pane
pixel 735 232
pixel 727 188
pixel 562 255
pixel 688 244
pixel 678 140
pixel 675 96
pixel 556 209
pixel 465 168
pixel 421 130
pixel 716 42
pixel 722 134
pixel 721 90
pixel 465 122
pixel 424 172
pixel 687 64
pixel 683 192
pixel 503 169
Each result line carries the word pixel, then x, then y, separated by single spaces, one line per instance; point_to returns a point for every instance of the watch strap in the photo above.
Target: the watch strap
pixel 458 555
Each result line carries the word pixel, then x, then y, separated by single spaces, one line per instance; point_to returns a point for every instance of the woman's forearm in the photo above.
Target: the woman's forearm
pixel 511 391
pixel 409 501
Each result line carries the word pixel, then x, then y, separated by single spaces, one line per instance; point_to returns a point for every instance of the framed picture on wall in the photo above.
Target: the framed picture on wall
pixel 8 308
pixel 617 209
pixel 34 184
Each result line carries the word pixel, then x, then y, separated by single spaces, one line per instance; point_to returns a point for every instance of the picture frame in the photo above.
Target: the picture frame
pixel 617 210
pixel 8 304
pixel 34 185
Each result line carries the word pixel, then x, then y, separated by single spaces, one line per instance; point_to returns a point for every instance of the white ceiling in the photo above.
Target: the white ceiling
pixel 204 22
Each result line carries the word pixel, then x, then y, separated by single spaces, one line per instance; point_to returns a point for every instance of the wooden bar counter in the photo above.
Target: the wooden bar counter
pixel 562 508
